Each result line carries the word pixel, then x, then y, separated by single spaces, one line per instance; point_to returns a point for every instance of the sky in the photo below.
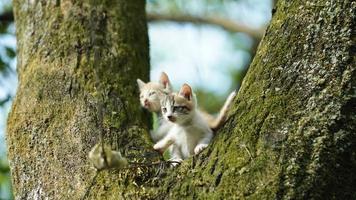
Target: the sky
pixel 204 56
pixel 201 57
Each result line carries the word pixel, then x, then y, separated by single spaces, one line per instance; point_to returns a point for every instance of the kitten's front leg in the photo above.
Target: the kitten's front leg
pixel 176 156
pixel 202 144
pixel 163 144
pixel 199 148
pixel 161 131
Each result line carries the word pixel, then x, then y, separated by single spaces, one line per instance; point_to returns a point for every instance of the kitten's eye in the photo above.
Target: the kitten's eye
pixel 185 108
pixel 164 110
pixel 151 93
pixel 177 108
pixel 180 108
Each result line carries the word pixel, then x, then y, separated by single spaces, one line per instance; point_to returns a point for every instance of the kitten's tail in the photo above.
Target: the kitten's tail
pixel 221 118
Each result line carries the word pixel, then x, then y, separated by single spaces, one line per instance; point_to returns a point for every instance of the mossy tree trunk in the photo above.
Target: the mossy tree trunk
pixel 292 131
pixel 64 48
pixel 290 135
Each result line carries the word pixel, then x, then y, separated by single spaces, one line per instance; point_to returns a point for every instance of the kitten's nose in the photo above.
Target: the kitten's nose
pixel 171 118
pixel 146 102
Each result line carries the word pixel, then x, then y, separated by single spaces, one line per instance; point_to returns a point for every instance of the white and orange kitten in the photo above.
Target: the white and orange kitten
pixel 150 96
pixel 191 132
pixel 151 92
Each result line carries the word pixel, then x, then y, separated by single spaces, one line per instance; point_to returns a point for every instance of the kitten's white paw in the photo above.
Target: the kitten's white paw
pixel 175 161
pixel 158 148
pixel 199 148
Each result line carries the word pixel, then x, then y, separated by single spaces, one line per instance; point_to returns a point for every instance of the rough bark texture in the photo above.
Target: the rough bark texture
pixel 54 118
pixel 292 131
pixel 290 135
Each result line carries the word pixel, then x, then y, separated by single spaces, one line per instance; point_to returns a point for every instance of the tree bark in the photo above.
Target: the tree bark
pixel 291 133
pixel 63 48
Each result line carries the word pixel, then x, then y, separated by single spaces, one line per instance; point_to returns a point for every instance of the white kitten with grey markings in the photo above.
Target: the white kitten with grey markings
pixel 150 96
pixel 191 132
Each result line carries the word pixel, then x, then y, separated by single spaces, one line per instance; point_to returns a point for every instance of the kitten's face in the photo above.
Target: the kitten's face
pixel 151 93
pixel 178 108
pixel 150 96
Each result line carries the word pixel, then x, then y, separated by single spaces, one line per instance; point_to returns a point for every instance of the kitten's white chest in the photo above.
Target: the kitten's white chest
pixel 187 138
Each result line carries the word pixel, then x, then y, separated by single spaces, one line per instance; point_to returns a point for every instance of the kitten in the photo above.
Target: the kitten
pixel 151 92
pixel 150 96
pixel 190 132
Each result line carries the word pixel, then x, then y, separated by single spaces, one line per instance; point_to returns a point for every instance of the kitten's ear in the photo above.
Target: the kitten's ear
pixel 164 80
pixel 186 91
pixel 140 83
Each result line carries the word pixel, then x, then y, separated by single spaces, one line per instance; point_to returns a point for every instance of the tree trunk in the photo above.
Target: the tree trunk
pixel 63 48
pixel 290 135
pixel 292 131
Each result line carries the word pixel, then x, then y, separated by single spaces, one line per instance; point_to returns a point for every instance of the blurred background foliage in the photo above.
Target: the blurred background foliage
pixel 206 43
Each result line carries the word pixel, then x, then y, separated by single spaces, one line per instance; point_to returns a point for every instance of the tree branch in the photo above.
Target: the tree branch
pixel 226 24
